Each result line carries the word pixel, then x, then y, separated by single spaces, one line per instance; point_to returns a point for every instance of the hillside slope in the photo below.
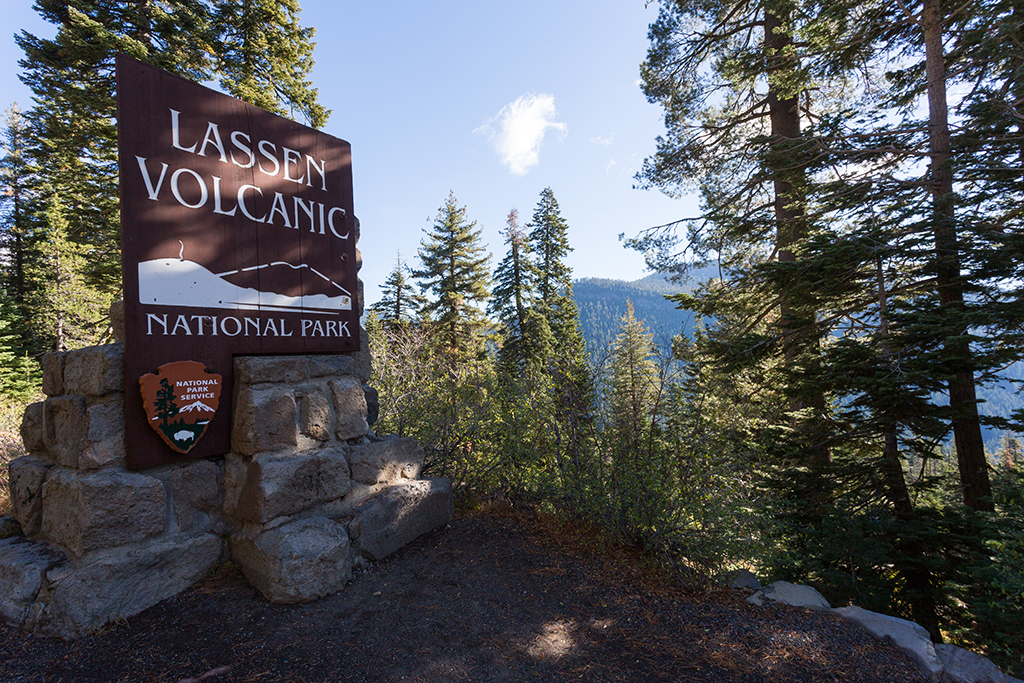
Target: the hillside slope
pixel 602 303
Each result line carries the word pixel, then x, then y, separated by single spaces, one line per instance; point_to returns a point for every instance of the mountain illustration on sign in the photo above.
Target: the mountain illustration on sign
pixel 182 282
pixel 198 405
pixel 164 397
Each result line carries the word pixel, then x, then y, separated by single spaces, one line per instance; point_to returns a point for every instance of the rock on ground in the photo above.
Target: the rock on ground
pixel 299 561
pixel 909 637
pixel 399 514
pixel 963 666
pixel 790 594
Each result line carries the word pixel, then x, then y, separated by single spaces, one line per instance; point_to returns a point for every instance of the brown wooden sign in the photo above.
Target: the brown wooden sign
pixel 237 235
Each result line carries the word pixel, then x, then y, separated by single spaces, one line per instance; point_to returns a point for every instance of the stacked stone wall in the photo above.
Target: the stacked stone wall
pixel 310 491
pixel 99 542
pixel 307 493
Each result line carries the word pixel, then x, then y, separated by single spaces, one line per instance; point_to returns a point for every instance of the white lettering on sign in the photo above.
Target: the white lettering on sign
pixel 283 164
pixel 165 325
pixel 193 190
pixel 325 328
pixel 313 214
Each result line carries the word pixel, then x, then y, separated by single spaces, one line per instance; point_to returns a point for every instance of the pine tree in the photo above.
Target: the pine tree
pixel 988 148
pixel 16 177
pixel 512 292
pixel 857 181
pixel 629 409
pixel 525 338
pixel 891 281
pixel 750 154
pixel 18 372
pixel 455 269
pixel 400 303
pixel 633 380
pixel 68 311
pixel 522 369
pixel 73 122
pixel 987 231
pixel 264 56
pixel 970 446
pixel 549 241
pixel 573 384
pixel 950 224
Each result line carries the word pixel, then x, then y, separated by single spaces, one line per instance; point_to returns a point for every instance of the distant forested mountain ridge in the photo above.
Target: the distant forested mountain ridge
pixel 602 304
pixel 1001 400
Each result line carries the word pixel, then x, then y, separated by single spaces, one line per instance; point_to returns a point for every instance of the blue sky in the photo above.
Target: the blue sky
pixel 493 101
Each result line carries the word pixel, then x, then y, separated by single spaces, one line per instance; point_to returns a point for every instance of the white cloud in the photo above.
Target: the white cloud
pixel 609 166
pixel 598 140
pixel 518 130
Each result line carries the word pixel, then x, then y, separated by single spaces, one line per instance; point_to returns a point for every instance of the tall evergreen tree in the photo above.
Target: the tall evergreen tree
pixel 856 181
pixel 750 154
pixel 963 399
pixel 948 224
pixel 400 303
pixel 893 286
pixel 988 148
pixel 552 281
pixel 264 56
pixel 74 126
pixel 16 177
pixel 633 381
pixel 18 372
pixel 552 277
pixel 68 310
pixel 512 292
pixel 979 227
pixel 549 241
pixel 573 381
pixel 528 338
pixel 629 408
pixel 455 269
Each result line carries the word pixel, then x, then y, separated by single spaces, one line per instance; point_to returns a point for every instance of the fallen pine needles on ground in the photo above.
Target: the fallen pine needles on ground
pixel 498 595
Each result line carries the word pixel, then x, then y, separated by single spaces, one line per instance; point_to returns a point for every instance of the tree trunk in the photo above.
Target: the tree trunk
pixel 59 333
pixel 970 447
pixel 517 277
pixel 144 21
pixel 19 253
pixel 791 224
pixel 919 580
pixel 899 496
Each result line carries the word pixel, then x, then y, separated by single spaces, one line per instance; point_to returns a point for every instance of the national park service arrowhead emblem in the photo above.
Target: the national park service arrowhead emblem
pixel 180 400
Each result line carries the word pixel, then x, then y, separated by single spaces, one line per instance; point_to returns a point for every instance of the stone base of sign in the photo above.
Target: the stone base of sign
pixel 398 514
pixel 307 493
pixel 300 560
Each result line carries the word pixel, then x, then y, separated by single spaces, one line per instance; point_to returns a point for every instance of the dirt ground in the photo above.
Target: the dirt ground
pixel 492 597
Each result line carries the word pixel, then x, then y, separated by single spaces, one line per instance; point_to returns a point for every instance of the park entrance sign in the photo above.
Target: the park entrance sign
pixel 238 238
